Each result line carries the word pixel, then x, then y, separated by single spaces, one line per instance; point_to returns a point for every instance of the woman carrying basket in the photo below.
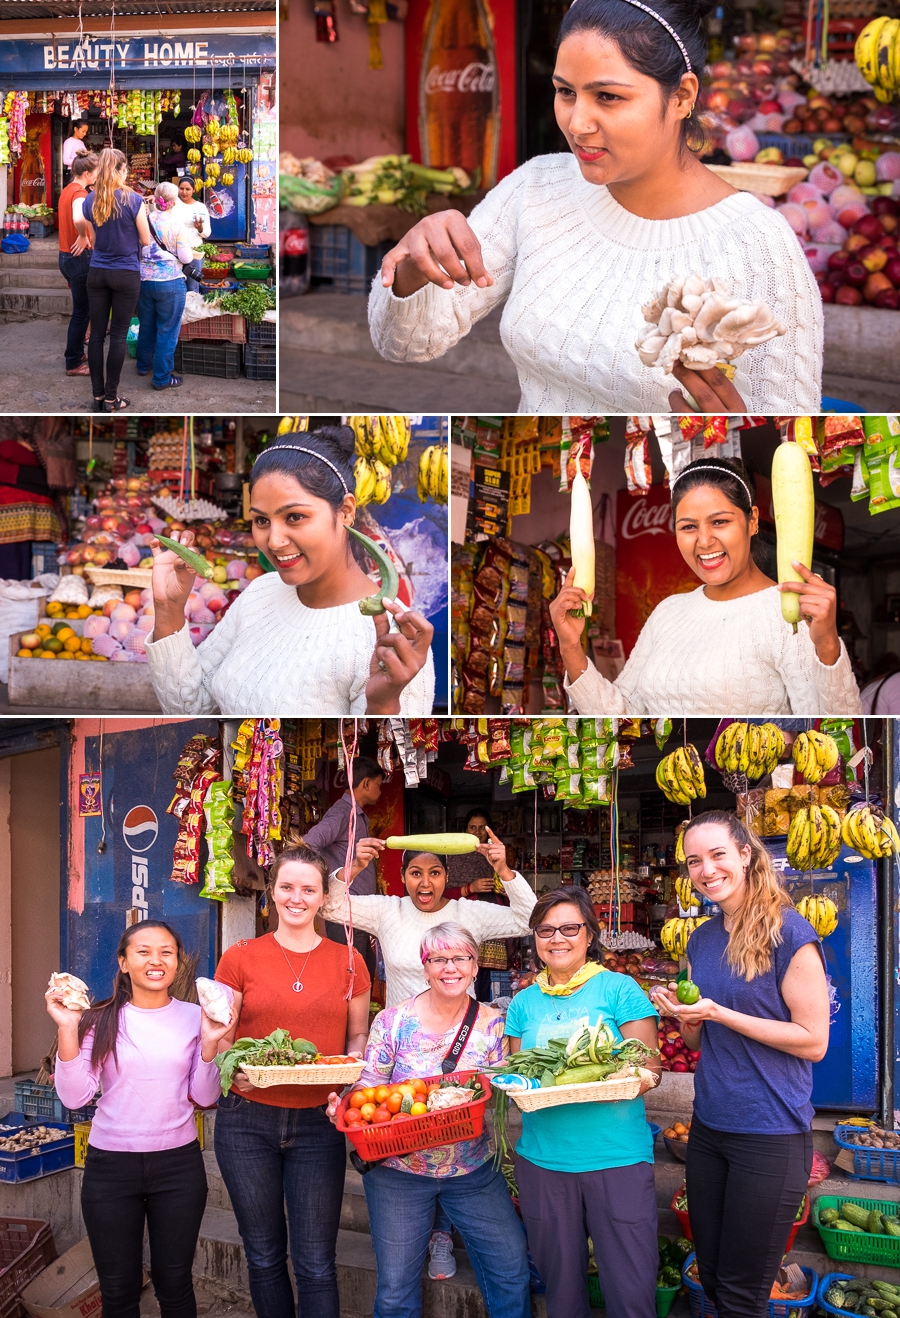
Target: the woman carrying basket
pixel 760 1023
pixel 585 1162
pixel 442 1030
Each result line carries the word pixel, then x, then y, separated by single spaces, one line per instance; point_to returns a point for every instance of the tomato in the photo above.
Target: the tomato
pixel 367 1111
pixel 370 1094
pixel 357 1098
pixel 401 1116
pixel 352 1117
pixel 407 1090
pixel 433 1088
pixel 393 1102
pixel 381 1115
pixel 381 1093
pixel 418 1109
pixel 419 1086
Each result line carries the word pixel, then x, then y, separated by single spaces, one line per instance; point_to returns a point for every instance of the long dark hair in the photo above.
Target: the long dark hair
pixel 103 1017
pixel 646 44
pixel 736 483
pixel 336 443
pixel 407 858
pixel 577 897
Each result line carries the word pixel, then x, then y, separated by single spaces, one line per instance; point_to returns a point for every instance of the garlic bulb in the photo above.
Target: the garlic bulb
pixel 697 322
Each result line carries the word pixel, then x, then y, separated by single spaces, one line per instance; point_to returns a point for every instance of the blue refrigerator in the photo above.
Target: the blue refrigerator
pixel 227 206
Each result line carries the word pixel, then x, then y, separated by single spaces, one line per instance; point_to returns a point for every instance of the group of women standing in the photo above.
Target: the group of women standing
pixel 761 1021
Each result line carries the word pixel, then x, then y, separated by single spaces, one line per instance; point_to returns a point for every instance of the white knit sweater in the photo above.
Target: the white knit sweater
pixel 574 269
pixel 399 926
pixel 696 656
pixel 272 657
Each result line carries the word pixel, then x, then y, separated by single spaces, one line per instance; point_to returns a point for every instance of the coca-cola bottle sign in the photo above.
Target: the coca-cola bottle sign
pixel 643 518
pixel 473 78
pixel 459 100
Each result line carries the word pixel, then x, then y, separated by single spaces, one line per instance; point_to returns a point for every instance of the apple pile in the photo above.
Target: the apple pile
pixel 676 1056
pixel 865 269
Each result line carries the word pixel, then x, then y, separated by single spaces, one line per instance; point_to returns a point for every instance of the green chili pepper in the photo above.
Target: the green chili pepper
pixel 687 993
pixel 390 580
pixel 201 566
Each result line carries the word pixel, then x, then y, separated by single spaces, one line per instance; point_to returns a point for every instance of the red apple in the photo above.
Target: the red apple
pixel 855 242
pixel 838 262
pixel 885 206
pixel 873 257
pixel 848 296
pixel 856 273
pixel 770 107
pixel 828 292
pixel 892 270
pixel 795 162
pixel 889 299
pixel 869 226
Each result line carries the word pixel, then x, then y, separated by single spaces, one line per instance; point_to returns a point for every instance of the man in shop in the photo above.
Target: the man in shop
pixel 75 257
pixel 329 838
pixel 74 145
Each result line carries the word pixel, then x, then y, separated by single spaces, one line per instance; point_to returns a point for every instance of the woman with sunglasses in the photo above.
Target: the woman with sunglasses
pixel 585 1163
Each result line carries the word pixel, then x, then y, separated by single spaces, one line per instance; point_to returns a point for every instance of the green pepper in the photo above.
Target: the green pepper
pixel 687 993
pixel 201 566
pixel 390 581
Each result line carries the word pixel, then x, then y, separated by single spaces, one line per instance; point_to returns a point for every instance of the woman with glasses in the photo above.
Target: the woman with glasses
pixel 400 922
pixel 422 1037
pixel 585 1163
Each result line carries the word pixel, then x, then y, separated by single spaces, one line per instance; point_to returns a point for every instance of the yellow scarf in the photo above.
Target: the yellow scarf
pixel 581 977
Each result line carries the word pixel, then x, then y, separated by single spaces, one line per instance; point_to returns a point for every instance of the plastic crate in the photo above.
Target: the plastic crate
pixel 233 329
pixel 26 1248
pixel 83 1130
pixel 449 1126
pixel 219 286
pixel 263 335
pixel 246 269
pixel 43 1102
pixel 40 229
pixel 869 1164
pixel 32 1163
pixel 260 363
pixel 798 144
pixel 203 357
pixel 247 252
pixel 824 1283
pixel 702 1307
pixel 665 1296
pixel 858 1247
pixel 339 262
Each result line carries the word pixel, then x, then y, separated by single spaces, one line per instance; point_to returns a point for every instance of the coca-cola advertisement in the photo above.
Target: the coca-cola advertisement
pixel 33 172
pixel 460 86
pixel 649 566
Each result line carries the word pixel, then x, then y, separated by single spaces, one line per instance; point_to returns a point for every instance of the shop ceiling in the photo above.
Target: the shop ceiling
pixel 34 9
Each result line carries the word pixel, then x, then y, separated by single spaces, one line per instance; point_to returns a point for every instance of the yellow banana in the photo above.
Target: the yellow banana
pixel 865 49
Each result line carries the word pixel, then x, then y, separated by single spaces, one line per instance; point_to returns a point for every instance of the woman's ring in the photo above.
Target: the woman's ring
pixel 382 665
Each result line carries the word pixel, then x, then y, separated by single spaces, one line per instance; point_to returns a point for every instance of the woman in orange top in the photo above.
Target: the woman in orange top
pixel 276 1146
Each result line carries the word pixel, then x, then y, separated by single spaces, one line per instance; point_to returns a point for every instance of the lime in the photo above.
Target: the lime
pixel 687 993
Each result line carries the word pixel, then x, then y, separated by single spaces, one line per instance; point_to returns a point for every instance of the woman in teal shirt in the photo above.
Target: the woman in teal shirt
pixel 585 1162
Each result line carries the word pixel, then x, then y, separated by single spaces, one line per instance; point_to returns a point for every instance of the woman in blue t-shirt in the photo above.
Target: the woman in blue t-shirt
pixel 120 229
pixel 761 1022
pixel 585 1162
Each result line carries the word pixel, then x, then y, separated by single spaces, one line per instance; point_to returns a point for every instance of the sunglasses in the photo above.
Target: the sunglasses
pixel 567 930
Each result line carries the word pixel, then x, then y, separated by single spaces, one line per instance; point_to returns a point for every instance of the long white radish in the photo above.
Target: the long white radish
pixel 437 844
pixel 794 506
pixel 581 538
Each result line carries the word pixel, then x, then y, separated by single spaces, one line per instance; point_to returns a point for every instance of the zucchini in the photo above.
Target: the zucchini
pixel 435 844
pixel 201 566
pixel 390 581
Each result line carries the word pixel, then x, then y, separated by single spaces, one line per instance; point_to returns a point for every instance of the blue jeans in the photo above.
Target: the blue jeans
pixel 74 269
pixel 269 1157
pixel 401 1211
pixel 160 308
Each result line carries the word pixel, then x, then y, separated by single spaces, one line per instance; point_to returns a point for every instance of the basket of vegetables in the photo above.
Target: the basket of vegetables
pixel 787 1299
pixel 280 1060
pixel 389 1121
pixel 876 1152
pixel 244 269
pixel 679 1206
pixel 841 1293
pixel 672 1254
pixel 591 1066
pixel 860 1230
pixel 676 1138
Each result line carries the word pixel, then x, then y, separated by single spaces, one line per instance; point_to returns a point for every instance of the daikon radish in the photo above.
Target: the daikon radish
pixel 438 844
pixel 794 506
pixel 581 538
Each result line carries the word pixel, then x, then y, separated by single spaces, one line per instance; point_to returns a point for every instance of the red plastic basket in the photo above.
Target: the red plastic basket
pixel 684 1220
pixel 231 328
pixel 26 1248
pixel 391 1140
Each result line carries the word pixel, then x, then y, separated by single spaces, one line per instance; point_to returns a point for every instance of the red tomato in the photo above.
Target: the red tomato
pixel 381 1114
pixel 357 1098
pixel 352 1117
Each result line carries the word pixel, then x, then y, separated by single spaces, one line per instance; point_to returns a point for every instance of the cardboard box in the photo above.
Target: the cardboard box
pixel 68 1288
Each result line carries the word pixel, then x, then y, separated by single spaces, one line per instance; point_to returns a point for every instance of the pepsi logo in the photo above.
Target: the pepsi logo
pixel 140 828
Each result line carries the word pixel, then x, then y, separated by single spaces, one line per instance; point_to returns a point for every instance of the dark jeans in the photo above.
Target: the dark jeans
pixel 160 308
pixel 361 941
pixel 269 1157
pixel 616 1207
pixel 744 1192
pixel 112 297
pixel 74 270
pixel 120 1191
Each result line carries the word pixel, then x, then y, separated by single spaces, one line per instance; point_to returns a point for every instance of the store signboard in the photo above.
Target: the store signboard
pixel 147 58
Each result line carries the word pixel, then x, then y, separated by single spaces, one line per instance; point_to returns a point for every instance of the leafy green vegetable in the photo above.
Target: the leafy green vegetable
pixel 277 1049
pixel 253 302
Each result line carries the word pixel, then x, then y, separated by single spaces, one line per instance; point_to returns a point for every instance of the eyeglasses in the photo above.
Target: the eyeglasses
pixel 567 930
pixel 441 961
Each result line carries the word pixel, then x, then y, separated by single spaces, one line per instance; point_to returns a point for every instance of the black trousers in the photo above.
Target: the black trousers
pixel 743 1194
pixel 112 298
pixel 121 1191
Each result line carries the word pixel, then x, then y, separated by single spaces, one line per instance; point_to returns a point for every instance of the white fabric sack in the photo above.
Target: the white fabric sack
pixel 20 609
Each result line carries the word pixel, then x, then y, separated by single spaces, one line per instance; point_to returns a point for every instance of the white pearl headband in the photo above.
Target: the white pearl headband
pixel 295 448
pixel 659 18
pixel 698 471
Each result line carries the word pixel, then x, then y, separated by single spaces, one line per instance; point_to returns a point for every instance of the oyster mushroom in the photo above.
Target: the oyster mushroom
pixel 700 322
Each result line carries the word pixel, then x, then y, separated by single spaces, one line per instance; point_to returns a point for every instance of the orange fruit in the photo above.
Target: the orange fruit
pixel 381 1093
pixel 407 1091
pixel 357 1098
pixel 352 1117
pixel 418 1109
pixel 46 654
pixel 432 1088
pixel 370 1095
pixel 23 654
pixel 87 645
pixel 393 1102
pixel 72 644
pixel 419 1086
pixel 381 1115
pixel 367 1111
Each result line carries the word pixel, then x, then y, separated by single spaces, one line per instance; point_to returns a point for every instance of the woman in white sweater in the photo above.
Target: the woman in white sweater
pixel 399 923
pixel 575 245
pixel 294 643
pixel 726 644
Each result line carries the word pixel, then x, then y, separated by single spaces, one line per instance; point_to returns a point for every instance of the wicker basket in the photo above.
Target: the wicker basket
pixel 134 578
pixel 310 1074
pixel 595 1091
pixel 773 180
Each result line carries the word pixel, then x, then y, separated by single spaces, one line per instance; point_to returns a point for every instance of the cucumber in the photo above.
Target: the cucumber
pixel 854 1213
pixel 436 844
pixel 578 1075
pixel 201 566
pixel 842 1225
pixel 874 1225
pixel 891 1228
pixel 828 1216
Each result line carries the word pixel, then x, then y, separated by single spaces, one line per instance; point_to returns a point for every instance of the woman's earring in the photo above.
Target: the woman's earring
pixel 690 113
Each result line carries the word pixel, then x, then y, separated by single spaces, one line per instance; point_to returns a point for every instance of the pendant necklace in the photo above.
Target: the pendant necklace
pixel 297 985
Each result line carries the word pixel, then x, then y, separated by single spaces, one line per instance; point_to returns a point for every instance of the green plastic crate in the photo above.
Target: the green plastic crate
pixel 858 1247
pixel 665 1296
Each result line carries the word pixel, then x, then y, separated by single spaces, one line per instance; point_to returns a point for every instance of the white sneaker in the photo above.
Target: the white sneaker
pixel 441 1263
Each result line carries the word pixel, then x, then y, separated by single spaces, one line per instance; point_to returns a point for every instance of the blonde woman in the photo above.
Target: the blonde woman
pixel 761 1021
pixel 118 225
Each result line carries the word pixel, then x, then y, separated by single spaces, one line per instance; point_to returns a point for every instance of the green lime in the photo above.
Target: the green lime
pixel 687 993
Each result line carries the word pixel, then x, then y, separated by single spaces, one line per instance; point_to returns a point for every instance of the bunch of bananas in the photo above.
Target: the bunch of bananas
pixel 373 481
pixel 679 843
pixel 209 149
pixel 383 437
pixel 227 180
pixel 877 56
pixel 289 424
pixel 229 155
pixel 244 155
pixel 213 170
pixel 193 154
pixel 211 126
pixel 228 133
pixel 192 133
pixel 867 829
pixel 750 748
pixel 814 838
pixel 679 776
pixel 434 474
pixel 674 934
pixel 684 891
pixel 821 912
pixel 815 754
pixel 194 169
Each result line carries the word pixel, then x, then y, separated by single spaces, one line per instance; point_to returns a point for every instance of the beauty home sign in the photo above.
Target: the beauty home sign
pixel 149 53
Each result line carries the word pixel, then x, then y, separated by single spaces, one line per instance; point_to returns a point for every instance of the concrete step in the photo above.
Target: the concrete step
pixel 36 301
pixel 31 277
pixel 42 252
pixel 217 1196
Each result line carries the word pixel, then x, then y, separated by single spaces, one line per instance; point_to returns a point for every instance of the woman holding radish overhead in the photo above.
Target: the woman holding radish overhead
pixel 153 1056
pixel 312 637
pixel 760 1020
pixel 725 645
pixel 399 923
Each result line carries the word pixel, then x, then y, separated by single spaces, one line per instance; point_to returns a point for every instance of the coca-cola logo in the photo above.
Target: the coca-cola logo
pixel 294 242
pixel 643 518
pixel 473 78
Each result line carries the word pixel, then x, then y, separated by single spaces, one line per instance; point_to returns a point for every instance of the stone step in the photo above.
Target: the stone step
pixel 42 252
pixel 36 301
pixel 31 277
pixel 217 1196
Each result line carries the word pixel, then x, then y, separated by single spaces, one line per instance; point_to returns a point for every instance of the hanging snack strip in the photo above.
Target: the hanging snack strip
pixel 262 815
pixel 219 810
pixel 349 761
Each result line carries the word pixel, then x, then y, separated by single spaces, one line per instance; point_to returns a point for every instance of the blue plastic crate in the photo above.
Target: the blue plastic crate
pixel 260 363
pixel 798 144
pixel 702 1307
pixel 263 335
pixel 339 262
pixel 869 1164
pixel 823 1287
pixel 32 1163
pixel 247 252
pixel 43 1103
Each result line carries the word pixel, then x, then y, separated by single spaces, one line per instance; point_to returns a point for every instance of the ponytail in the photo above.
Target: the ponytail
pixel 103 1017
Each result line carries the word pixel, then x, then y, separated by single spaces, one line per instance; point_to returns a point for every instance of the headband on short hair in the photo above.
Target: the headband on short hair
pixel 296 448
pixel 698 471
pixel 638 4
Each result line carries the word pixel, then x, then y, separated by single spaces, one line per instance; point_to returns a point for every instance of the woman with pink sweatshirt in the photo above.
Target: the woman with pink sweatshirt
pixel 153 1057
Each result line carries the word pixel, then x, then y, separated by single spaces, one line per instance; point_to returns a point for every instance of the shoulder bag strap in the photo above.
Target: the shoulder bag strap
pixel 450 1062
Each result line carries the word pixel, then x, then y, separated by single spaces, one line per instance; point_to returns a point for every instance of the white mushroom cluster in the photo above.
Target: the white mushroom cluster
pixel 698 322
